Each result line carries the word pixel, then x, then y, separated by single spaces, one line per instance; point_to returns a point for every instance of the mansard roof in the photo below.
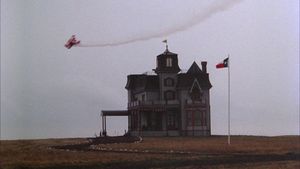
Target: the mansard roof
pixel 142 82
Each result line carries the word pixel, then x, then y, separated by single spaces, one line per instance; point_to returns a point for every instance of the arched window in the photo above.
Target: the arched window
pixel 169 82
pixel 169 62
pixel 196 92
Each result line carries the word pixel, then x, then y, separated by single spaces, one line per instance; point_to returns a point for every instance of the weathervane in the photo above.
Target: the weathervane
pixel 166 42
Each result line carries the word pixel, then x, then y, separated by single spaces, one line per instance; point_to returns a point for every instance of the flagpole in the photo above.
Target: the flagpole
pixel 228 100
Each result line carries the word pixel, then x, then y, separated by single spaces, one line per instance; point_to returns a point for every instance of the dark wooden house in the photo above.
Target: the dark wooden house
pixel 170 102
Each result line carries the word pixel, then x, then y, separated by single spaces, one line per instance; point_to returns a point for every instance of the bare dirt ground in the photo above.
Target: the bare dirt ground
pixel 155 153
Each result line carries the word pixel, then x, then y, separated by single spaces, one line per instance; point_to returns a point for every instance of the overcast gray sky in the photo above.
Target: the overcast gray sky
pixel 49 91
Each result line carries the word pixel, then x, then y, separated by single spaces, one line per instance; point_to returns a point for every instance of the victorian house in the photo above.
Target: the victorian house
pixel 169 102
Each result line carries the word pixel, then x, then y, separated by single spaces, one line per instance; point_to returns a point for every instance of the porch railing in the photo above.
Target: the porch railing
pixel 153 103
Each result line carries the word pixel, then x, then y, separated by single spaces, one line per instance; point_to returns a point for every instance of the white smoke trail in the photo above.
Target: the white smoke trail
pixel 216 7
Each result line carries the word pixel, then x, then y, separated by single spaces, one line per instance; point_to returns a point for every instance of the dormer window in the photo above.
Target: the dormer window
pixel 169 62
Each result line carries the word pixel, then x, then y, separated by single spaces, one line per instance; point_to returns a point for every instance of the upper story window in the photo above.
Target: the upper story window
pixel 196 95
pixel 169 95
pixel 196 92
pixel 169 82
pixel 169 62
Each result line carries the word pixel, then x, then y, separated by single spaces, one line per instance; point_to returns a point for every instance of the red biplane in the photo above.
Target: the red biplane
pixel 71 42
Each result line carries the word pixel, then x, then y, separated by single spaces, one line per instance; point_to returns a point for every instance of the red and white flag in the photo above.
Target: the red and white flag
pixel 223 64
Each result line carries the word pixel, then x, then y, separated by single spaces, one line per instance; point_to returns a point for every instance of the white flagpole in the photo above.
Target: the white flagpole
pixel 228 100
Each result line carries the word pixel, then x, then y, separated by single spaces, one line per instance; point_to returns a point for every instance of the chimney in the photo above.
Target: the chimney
pixel 204 67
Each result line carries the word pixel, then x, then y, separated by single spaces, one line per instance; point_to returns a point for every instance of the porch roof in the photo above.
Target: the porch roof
pixel 114 113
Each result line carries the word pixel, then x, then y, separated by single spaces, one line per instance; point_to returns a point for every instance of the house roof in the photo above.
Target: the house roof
pixel 194 69
pixel 167 52
pixel 114 113
pixel 185 80
pixel 142 82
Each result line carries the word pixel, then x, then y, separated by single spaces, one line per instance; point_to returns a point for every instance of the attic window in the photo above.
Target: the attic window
pixel 169 62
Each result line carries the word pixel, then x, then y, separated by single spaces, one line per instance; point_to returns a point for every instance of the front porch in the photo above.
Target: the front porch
pixel 154 121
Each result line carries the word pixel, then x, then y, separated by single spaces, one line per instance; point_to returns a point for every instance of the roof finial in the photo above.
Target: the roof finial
pixel 166 42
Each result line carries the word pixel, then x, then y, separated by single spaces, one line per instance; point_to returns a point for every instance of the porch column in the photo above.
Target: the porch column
pixel 105 124
pixel 139 121
pixel 102 118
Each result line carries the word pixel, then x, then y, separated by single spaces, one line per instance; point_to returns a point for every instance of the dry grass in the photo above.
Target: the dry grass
pixel 260 165
pixel 217 144
pixel 36 153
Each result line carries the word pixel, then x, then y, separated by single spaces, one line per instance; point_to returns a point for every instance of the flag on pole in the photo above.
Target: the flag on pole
pixel 223 64
pixel 165 41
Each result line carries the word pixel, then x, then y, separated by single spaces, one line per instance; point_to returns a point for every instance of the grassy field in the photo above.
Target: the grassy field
pixel 156 153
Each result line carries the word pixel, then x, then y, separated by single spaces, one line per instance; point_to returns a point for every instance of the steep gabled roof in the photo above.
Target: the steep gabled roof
pixel 194 69
pixel 186 80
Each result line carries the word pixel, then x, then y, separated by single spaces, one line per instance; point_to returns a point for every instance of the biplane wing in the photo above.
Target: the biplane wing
pixel 72 42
